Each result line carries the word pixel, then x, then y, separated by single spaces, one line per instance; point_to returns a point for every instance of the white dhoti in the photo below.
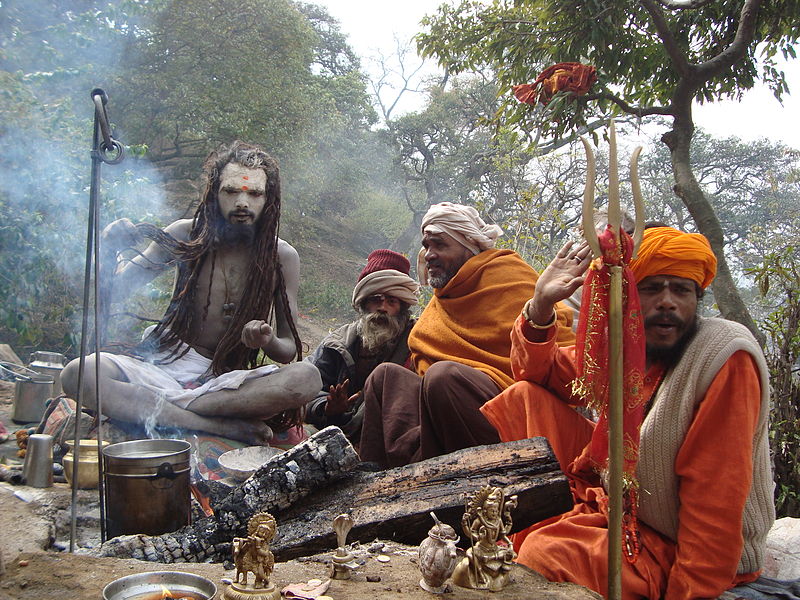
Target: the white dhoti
pixel 172 379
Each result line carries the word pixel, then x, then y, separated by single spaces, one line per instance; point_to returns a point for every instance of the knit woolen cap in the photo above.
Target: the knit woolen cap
pixel 386 273
pixel 380 260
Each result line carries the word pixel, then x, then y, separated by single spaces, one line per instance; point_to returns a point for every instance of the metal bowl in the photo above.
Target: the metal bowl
pixel 153 582
pixel 243 462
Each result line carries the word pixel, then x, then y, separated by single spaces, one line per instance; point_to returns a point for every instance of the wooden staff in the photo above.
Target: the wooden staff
pixel 615 350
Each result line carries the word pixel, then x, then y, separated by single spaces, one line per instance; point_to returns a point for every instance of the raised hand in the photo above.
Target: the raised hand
pixel 565 274
pixel 338 400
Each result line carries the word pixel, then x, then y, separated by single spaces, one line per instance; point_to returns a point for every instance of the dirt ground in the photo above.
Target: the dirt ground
pixel 44 575
pixel 35 563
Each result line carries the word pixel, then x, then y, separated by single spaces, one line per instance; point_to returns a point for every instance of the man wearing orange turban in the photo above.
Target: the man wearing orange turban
pixel 704 477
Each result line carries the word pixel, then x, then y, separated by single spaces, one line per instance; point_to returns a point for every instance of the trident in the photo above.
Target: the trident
pixel 615 446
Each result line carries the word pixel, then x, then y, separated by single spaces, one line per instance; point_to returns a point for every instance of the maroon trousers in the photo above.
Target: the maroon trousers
pixel 408 418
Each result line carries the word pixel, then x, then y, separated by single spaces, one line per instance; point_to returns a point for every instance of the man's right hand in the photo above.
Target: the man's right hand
pixel 121 233
pixel 338 400
pixel 559 280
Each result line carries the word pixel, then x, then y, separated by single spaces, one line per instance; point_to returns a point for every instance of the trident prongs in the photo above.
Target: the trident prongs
pixel 614 209
pixel 589 231
pixel 638 202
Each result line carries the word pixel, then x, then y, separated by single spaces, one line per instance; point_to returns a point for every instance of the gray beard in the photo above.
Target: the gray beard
pixel 439 281
pixel 377 330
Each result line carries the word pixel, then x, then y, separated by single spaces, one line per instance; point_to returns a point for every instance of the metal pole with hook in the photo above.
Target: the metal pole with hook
pixel 105 149
pixel 615 350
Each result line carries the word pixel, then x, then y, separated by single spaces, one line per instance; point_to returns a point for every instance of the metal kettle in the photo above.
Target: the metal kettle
pixel 49 363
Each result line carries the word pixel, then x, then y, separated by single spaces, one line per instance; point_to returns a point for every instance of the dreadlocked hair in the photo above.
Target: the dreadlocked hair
pixel 264 277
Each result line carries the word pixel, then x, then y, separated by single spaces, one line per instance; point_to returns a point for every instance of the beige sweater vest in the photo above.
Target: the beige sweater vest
pixel 666 425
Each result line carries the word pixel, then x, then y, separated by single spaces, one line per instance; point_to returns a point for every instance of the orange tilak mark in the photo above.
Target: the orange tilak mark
pixel 245 177
pixel 244 187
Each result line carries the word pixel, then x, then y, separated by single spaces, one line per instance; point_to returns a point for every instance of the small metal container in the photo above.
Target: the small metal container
pixel 178 583
pixel 38 467
pixel 30 394
pixel 49 363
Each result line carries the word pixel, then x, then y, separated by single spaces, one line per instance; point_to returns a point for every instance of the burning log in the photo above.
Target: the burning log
pixel 322 459
pixel 395 504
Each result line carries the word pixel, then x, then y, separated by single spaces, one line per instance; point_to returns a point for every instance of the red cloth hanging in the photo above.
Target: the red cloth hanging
pixel 592 362
pixel 562 77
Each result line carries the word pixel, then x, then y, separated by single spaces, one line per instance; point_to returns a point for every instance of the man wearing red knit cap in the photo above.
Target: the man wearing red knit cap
pixel 383 297
pixel 704 480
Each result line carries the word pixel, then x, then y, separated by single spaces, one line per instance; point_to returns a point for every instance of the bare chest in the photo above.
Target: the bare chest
pixel 220 288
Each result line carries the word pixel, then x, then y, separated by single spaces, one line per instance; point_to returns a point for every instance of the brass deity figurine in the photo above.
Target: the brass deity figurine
pixel 343 560
pixel 251 554
pixel 487 521
pixel 437 557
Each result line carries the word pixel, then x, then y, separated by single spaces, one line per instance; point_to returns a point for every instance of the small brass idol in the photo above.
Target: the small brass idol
pixel 343 560
pixel 251 554
pixel 487 521
pixel 437 557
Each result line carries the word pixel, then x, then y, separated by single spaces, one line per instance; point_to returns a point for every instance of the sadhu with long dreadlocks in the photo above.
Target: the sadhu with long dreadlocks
pixel 234 304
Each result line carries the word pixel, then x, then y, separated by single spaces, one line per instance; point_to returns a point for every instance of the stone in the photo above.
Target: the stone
pixel 782 560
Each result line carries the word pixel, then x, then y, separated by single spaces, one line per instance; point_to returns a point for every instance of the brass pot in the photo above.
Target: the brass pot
pixel 87 465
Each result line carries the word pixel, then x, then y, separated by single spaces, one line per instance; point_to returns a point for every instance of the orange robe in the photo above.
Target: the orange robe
pixel 469 319
pixel 714 465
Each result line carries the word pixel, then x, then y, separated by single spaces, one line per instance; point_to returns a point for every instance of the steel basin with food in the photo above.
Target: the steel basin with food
pixel 243 462
pixel 153 585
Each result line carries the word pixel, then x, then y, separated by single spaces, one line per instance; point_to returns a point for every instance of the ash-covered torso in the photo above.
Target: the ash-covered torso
pixel 223 291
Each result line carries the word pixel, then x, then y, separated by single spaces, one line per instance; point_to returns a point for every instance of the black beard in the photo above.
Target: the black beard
pixel 668 356
pixel 234 234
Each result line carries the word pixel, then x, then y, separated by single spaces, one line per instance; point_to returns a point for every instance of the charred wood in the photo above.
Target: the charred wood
pixel 392 504
pixel 316 463
pixel 395 504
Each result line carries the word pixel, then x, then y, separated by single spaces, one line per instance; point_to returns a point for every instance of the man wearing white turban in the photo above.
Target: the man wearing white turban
pixel 383 297
pixel 460 345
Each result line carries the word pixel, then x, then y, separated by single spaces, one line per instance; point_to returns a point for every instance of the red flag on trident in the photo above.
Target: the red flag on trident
pixel 592 383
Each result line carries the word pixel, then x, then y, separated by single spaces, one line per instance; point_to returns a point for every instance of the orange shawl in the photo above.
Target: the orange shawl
pixel 470 319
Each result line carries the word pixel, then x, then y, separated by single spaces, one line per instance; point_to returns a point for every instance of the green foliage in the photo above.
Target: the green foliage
pixel 779 281
pixel 753 188
pixel 376 222
pixel 180 77
pixel 623 39
pixel 326 299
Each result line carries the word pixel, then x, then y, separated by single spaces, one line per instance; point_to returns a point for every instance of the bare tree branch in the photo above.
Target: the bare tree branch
pixel 744 36
pixel 639 112
pixel 678 57
pixel 683 4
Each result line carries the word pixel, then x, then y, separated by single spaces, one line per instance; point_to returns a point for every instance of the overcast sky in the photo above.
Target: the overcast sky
pixel 372 26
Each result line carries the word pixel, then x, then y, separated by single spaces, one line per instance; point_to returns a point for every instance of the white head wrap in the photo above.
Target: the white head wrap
pixel 463 224
pixel 389 282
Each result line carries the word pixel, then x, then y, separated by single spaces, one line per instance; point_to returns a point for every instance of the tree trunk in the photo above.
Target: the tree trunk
pixel 688 190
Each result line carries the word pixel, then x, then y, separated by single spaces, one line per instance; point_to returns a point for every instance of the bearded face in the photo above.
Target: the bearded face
pixel 241 200
pixel 379 329
pixel 669 307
